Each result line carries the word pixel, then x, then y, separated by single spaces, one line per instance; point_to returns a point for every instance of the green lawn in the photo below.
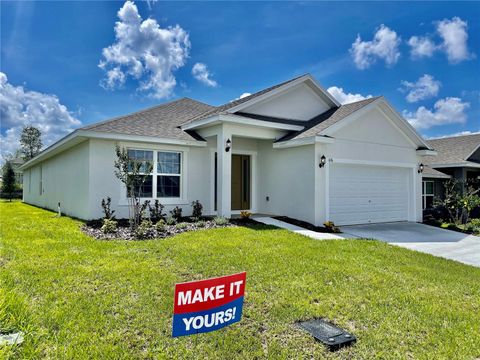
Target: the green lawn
pixel 76 297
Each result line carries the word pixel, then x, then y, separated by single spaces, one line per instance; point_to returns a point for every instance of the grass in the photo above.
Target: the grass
pixel 80 298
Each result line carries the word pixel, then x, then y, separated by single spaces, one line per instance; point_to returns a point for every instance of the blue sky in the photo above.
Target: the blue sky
pixel 423 57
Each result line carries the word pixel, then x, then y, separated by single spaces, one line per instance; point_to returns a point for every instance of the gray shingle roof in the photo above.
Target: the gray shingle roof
pixel 162 121
pixel 430 172
pixel 327 119
pixel 453 150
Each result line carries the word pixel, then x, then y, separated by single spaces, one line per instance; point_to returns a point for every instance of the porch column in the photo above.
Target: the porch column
pixel 224 168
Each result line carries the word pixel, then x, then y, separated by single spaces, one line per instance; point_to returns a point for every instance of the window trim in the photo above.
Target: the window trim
pixel 183 198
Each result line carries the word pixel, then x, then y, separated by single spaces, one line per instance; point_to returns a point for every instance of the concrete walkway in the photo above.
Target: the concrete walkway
pixel 296 229
pixel 444 243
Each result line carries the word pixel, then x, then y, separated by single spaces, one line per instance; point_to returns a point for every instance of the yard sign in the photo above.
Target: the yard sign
pixel 208 305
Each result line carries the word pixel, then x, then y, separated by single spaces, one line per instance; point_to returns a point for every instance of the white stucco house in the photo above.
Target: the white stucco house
pixel 293 151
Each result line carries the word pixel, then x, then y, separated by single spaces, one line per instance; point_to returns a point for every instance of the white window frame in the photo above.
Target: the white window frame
pixel 424 194
pixel 183 198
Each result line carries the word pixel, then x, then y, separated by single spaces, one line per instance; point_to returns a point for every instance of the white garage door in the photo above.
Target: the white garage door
pixel 361 194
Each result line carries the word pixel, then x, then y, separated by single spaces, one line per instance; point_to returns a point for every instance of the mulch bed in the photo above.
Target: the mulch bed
pixel 93 228
pixel 303 224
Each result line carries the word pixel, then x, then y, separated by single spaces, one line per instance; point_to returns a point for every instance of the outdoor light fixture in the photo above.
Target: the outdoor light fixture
pixel 228 145
pixel 323 161
pixel 420 168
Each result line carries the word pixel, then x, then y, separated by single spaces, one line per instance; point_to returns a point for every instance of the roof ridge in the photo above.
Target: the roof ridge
pixel 106 121
pixel 454 136
pixel 373 98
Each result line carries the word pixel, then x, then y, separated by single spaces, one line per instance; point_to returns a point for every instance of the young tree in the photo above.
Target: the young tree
pixel 8 184
pixel 470 199
pixel 30 142
pixel 133 175
pixel 460 199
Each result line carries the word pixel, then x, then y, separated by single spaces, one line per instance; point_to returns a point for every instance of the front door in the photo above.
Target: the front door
pixel 240 182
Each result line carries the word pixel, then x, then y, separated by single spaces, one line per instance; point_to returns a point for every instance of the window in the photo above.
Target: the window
pixel 427 194
pixel 166 178
pixel 168 174
pixel 143 184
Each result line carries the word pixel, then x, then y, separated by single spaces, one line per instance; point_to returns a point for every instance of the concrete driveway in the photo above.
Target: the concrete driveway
pixel 428 239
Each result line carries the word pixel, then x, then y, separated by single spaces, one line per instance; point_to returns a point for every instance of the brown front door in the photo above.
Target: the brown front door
pixel 240 182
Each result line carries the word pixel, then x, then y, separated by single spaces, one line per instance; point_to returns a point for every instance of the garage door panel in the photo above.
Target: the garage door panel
pixel 367 194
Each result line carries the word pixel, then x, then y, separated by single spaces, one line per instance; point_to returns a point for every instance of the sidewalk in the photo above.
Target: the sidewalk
pixel 297 229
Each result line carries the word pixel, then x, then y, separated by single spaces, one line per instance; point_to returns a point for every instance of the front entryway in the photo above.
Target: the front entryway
pixel 241 182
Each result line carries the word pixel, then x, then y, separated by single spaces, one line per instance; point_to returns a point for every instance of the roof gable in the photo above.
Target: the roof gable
pixel 248 102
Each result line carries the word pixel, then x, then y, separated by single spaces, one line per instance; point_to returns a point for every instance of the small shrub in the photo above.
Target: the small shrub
pixel 171 221
pixel 220 220
pixel 245 215
pixel 197 209
pixel 143 209
pixel 181 226
pixel 200 224
pixel 176 213
pixel 109 226
pixel 156 212
pixel 475 223
pixel 107 211
pixel 160 225
pixel 144 230
pixel 330 226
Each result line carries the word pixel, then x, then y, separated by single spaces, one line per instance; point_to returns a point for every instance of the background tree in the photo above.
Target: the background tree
pixel 8 184
pixel 133 175
pixel 30 142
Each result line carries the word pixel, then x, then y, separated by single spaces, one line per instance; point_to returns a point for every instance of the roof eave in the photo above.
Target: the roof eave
pixel 240 120
pixel 79 136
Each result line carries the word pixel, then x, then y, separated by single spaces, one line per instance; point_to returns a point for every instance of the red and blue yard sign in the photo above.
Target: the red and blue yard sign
pixel 208 305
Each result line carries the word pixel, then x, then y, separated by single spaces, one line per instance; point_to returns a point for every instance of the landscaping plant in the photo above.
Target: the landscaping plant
pixel 176 213
pixel 107 211
pixel 109 226
pixel 460 199
pixel 133 175
pixel 197 209
pixel 156 211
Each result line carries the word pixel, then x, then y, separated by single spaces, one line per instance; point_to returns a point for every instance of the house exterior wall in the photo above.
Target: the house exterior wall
pixel 287 178
pixel 359 143
pixel 196 180
pixel 62 178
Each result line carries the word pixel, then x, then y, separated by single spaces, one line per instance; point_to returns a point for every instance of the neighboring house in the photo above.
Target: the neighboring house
pixel 291 150
pixel 458 157
pixel 16 165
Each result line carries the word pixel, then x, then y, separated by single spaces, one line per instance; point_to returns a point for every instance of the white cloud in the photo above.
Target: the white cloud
pixel 450 110
pixel 244 95
pixel 201 73
pixel 421 46
pixel 455 36
pixel 144 52
pixel 383 46
pixel 424 88
pixel 345 98
pixel 20 107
